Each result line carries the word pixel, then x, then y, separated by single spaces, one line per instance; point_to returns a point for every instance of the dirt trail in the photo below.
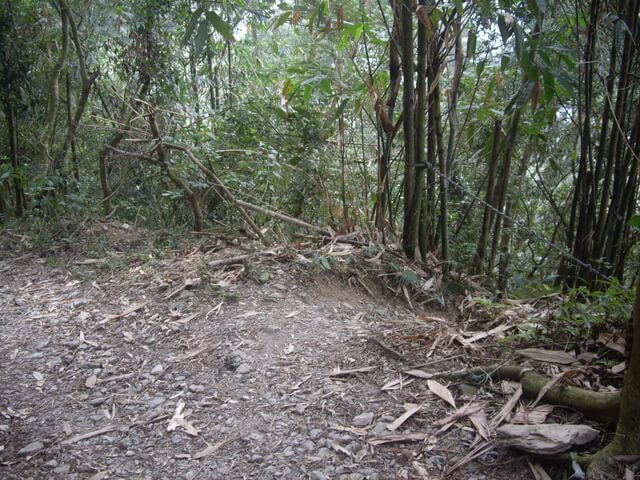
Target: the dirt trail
pixel 247 358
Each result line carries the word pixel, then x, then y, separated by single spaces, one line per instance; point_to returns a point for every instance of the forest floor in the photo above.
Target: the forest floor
pixel 146 363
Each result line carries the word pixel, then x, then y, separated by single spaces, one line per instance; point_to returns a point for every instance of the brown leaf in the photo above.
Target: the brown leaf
pixel 441 391
pixel 418 373
pixel 550 356
pixel 211 449
pixel 411 410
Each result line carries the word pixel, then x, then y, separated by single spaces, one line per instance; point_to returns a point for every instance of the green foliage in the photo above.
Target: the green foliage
pixel 584 314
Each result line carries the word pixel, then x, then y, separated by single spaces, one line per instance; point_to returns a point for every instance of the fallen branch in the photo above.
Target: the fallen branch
pixel 241 258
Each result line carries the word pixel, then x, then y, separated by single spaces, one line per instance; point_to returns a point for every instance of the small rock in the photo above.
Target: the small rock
pixel 308 445
pixel 315 434
pixel 380 427
pixel 96 402
pixel 233 360
pixel 62 469
pixel 51 464
pixel 157 370
pixel 30 449
pixel 363 419
pixel 79 302
pixel 125 443
pixel 243 368
pixel 196 388
pixel 42 344
pixel 156 402
pixel 256 458
pixel 176 439
pixel 318 475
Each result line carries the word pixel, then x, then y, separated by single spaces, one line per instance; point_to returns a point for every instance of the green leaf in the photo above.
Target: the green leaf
pixel 519 40
pixel 280 20
pixel 220 25
pixel 193 22
pixel 529 68
pixel 471 43
pixel 504 62
pixel 634 221
pixel 480 67
pixel 549 85
pixel 522 97
pixel 201 38
pixel 505 31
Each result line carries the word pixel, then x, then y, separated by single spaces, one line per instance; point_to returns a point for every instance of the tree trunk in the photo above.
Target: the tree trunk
pixel 408 123
pixel 487 219
pixel 12 131
pixel 627 438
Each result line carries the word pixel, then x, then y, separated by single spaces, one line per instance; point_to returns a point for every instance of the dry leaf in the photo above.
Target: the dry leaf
pixel 507 408
pixel 289 349
pixel 39 378
pixel 418 373
pixel 441 391
pixel 479 420
pixel 538 472
pixel 339 448
pixel 396 384
pixel 211 449
pixel 534 416
pixel 397 437
pixel 550 356
pixel 619 368
pixel 339 373
pixel 411 409
pixel 178 420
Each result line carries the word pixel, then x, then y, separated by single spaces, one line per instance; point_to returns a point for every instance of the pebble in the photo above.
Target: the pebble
pixel 363 419
pixel 33 447
pixel 156 402
pixel 62 469
pixel 308 445
pixel 176 439
pixel 96 402
pixel 157 370
pixel 243 368
pixel 51 464
pixel 315 433
pixel 255 458
pixel 196 388
pixel 125 443
pixel 79 302
pixel 380 427
pixel 318 475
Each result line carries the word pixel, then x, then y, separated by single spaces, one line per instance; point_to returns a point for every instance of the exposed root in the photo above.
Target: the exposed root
pixel 599 406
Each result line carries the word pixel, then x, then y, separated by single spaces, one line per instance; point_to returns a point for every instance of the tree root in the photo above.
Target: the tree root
pixel 599 406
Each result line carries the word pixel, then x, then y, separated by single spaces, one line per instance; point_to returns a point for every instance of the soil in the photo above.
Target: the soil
pixel 99 353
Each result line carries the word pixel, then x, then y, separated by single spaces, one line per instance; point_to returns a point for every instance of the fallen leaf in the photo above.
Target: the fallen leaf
pixel 397 437
pixel 411 409
pixel 550 356
pixel 211 449
pixel 339 373
pixel 39 378
pixel 418 373
pixel 396 384
pixel 289 349
pixel 532 416
pixel 441 391
pixel 178 420
pixel 479 420
pixel 538 472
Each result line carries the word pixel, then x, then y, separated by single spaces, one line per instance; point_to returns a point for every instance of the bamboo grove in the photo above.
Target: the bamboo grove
pixel 500 136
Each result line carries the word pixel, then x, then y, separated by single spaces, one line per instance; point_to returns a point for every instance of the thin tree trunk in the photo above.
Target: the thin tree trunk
pixel 12 131
pixel 487 218
pixel 74 153
pixel 406 17
pixel 503 183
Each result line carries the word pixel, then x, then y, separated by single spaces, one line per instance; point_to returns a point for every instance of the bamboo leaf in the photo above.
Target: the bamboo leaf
pixel 280 20
pixel 193 22
pixel 220 25
pixel 201 38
